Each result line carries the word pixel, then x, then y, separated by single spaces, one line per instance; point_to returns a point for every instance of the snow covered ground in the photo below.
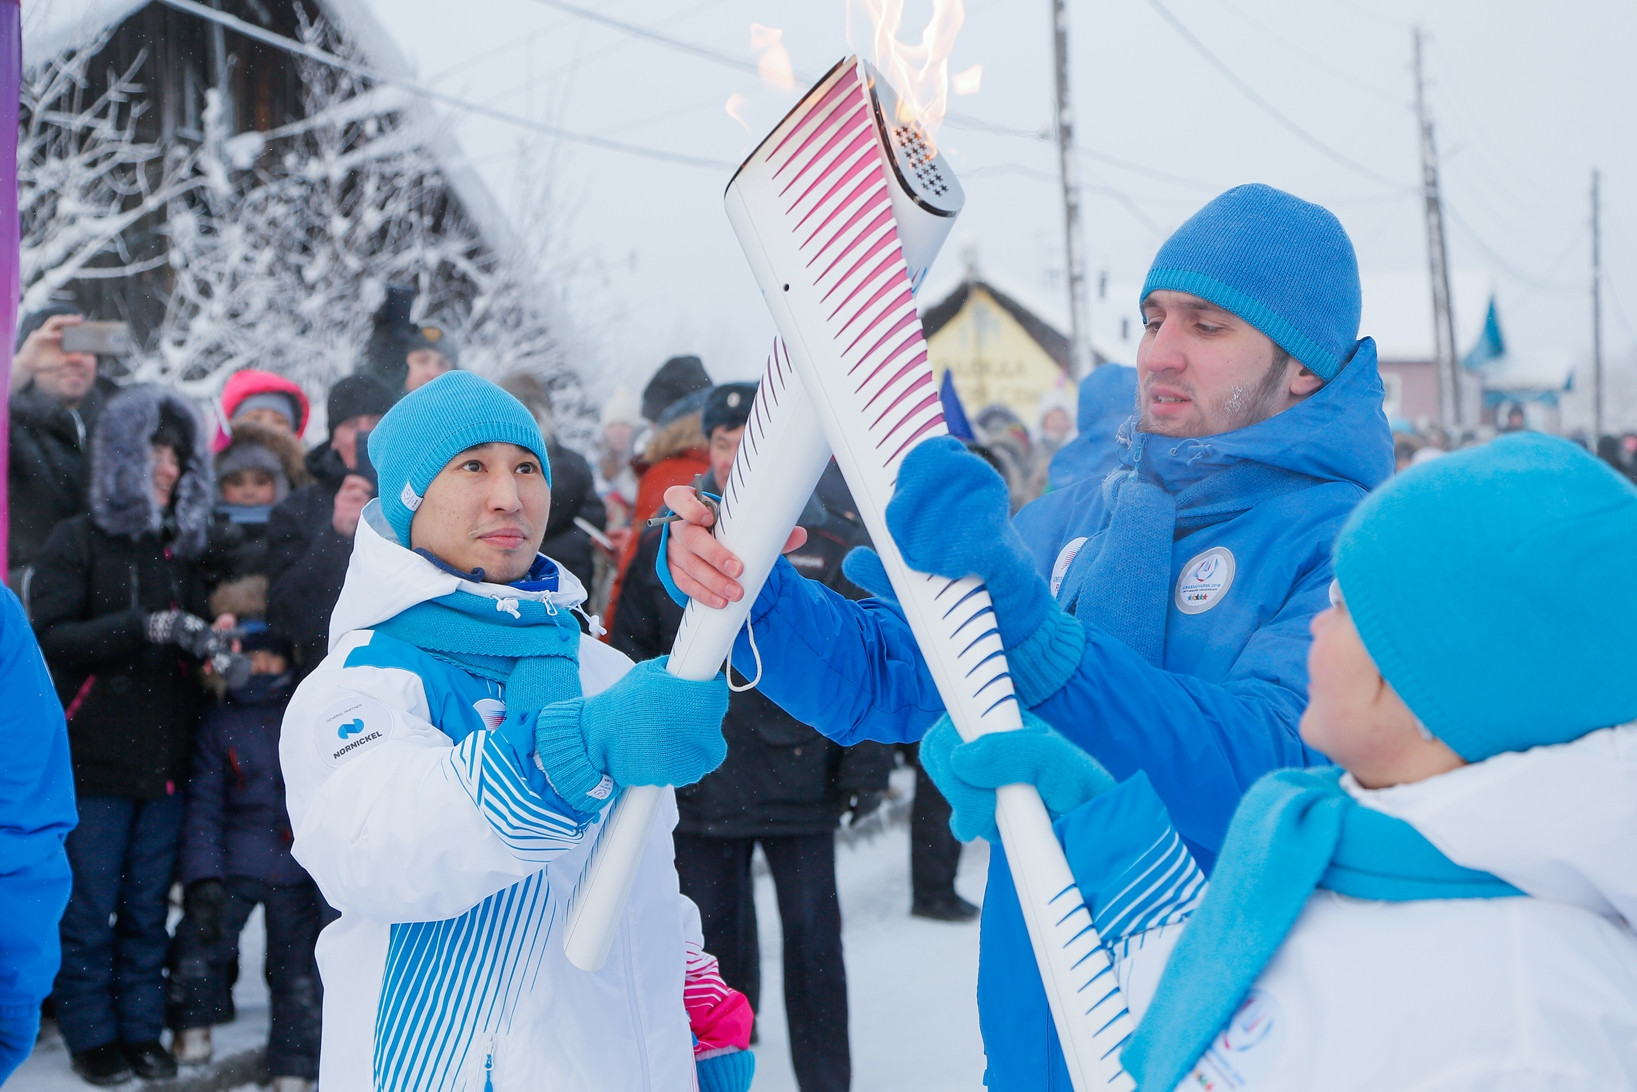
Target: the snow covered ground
pixel 911 985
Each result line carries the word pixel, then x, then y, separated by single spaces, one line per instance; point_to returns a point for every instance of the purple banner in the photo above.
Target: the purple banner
pixel 11 70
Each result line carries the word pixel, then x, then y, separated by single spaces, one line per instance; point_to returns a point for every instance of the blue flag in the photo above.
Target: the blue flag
pixel 1491 347
pixel 955 413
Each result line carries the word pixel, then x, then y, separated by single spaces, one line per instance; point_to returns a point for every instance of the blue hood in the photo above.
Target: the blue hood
pixel 1339 434
pixel 1107 397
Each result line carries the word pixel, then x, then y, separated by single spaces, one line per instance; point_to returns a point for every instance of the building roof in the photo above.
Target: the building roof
pixel 52 27
pixel 940 314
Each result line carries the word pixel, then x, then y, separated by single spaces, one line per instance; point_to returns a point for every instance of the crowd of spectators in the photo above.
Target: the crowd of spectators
pixel 178 578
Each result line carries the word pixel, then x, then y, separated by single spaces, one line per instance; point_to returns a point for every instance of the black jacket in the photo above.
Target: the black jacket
pixel 307 561
pixel 573 493
pixel 780 776
pixel 49 475
pixel 131 705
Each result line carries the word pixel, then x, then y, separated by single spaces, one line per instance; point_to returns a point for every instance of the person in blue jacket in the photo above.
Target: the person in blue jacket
pixel 1105 400
pixel 1158 617
pixel 36 814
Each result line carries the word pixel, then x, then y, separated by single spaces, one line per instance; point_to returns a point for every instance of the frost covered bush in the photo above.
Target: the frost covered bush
pixel 278 244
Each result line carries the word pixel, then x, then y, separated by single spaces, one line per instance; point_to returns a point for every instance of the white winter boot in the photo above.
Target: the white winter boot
pixel 292 1084
pixel 191 1046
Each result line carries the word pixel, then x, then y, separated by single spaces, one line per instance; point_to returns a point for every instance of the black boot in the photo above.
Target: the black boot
pixel 950 907
pixel 105 1064
pixel 151 1061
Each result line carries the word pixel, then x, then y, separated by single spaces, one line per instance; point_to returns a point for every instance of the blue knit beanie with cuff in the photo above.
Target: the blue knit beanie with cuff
pixel 428 427
pixel 1489 587
pixel 1282 264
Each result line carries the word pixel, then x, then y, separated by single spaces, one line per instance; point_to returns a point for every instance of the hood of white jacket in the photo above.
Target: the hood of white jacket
pixel 384 579
pixel 1559 822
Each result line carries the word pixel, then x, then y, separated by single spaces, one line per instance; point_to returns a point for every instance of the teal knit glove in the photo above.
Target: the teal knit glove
pixel 649 728
pixel 730 1072
pixel 969 773
pixel 951 516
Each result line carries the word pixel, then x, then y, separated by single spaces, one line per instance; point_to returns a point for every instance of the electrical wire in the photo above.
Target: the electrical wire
pixel 1267 107
pixel 290 45
pixel 1299 50
pixel 1505 266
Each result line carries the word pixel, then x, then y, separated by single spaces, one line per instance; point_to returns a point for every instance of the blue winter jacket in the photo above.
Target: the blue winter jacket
pixel 237 823
pixel 36 813
pixel 1223 709
pixel 1107 396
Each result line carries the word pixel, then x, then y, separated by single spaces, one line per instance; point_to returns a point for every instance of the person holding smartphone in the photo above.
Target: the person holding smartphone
pixel 56 398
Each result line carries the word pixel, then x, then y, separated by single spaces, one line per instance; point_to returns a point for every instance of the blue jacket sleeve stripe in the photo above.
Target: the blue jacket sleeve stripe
pixel 520 817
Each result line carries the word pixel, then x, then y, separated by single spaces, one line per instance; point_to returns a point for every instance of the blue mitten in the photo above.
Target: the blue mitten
pixel 649 728
pixel 951 515
pixel 729 1072
pixel 863 567
pixel 969 773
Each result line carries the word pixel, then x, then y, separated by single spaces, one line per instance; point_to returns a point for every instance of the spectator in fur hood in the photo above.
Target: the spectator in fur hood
pixel 116 601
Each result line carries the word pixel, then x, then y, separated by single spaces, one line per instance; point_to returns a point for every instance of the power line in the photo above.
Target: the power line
pixel 1267 107
pixel 290 45
pixel 1505 266
pixel 1306 54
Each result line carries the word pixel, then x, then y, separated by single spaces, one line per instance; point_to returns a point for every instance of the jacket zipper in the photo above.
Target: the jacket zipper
pixel 489 1069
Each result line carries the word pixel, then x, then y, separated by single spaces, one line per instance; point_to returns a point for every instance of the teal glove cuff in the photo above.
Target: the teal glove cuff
pixel 1045 660
pixel 560 752
pixel 969 773
pixel 730 1072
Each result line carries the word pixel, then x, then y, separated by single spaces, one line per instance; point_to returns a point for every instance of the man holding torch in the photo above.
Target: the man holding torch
pixel 1157 620
pixel 447 768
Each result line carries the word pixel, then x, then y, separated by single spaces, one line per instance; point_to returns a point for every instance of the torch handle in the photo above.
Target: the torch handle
pixel 780 460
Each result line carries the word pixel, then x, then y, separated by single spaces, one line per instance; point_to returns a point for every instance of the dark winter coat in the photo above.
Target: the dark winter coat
pixel 131 705
pixel 236 822
pixel 49 475
pixel 780 776
pixel 307 560
pixel 573 493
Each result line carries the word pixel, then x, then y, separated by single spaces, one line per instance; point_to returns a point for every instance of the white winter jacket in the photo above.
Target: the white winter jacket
pixel 1498 995
pixel 446 970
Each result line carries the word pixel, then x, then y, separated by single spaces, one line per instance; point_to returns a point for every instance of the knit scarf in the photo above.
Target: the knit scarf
pixel 529 646
pixel 1124 585
pixel 1295 831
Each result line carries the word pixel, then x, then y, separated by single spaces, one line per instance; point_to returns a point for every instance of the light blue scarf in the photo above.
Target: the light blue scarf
pixel 1124 585
pixel 1295 831
pixel 529 646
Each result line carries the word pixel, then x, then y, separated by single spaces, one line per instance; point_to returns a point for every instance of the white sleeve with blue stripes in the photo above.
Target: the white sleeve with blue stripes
pixel 1140 881
pixel 393 820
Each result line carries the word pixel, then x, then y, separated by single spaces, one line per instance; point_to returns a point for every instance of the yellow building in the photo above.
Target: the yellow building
pixel 999 351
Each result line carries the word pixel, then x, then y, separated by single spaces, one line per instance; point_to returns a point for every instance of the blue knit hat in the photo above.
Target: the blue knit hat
pixel 1489 587
pixel 1283 265
pixel 430 426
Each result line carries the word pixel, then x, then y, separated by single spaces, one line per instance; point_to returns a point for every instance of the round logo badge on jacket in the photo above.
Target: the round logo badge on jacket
pixel 1205 580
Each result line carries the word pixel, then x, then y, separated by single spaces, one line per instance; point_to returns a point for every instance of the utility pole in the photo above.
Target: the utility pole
pixel 1079 319
pixel 1597 314
pixel 1443 318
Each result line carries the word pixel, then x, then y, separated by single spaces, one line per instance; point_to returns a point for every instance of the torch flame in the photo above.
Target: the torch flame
pixel 772 59
pixel 919 73
pixel 736 109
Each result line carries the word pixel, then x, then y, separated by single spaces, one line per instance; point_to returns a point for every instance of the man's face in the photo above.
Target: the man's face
pixel 252 488
pixel 65 377
pixel 724 448
pixel 344 437
pixel 1203 371
pixel 1056 423
pixel 425 365
pixel 485 510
